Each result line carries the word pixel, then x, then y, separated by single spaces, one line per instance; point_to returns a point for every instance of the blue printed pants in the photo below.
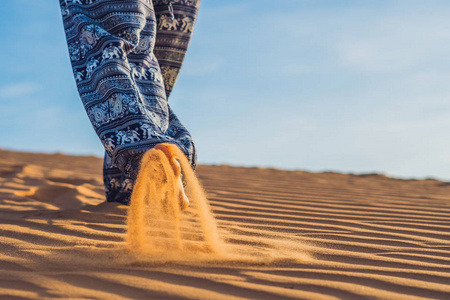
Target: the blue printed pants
pixel 125 56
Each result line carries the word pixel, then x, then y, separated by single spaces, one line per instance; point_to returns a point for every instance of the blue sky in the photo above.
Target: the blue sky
pixel 351 86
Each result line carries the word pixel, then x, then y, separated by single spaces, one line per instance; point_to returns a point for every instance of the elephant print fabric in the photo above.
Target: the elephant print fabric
pixel 126 56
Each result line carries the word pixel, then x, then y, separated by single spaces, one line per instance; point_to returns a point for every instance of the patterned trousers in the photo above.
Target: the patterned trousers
pixel 126 56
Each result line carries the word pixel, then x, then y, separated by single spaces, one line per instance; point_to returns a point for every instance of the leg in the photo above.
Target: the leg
pixel 170 49
pixel 121 85
pixel 173 36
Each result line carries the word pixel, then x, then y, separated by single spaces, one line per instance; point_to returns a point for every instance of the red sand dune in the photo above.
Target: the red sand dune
pixel 283 234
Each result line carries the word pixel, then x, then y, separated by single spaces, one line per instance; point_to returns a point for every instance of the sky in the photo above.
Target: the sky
pixel 356 86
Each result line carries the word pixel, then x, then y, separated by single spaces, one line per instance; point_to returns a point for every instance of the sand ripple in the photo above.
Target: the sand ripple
pixel 287 234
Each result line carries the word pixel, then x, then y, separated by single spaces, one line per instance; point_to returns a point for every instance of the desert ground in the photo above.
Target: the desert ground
pixel 285 234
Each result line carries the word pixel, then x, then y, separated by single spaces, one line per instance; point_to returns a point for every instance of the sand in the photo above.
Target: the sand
pixel 159 223
pixel 285 234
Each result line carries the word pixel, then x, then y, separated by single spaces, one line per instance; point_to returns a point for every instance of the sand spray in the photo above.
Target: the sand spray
pixel 159 231
pixel 156 223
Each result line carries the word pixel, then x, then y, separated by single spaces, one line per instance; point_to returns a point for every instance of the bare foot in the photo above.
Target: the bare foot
pixel 183 199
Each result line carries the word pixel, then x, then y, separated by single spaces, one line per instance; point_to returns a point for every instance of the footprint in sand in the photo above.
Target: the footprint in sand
pixel 63 197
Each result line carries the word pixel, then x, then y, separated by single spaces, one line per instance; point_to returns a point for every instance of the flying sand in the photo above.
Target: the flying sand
pixel 158 200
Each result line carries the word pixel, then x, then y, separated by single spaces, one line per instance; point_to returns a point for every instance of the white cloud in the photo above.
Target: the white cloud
pixel 398 42
pixel 18 90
